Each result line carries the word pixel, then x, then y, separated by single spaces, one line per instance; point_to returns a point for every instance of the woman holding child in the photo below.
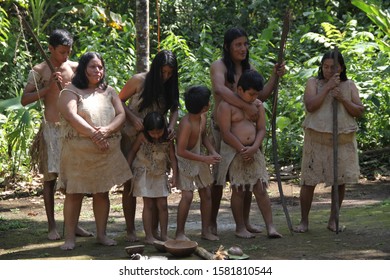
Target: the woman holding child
pixel 156 90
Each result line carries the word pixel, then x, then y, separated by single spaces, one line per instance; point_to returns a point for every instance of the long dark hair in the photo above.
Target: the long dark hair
pixel 331 54
pixel 230 35
pixel 154 85
pixel 80 79
pixel 154 120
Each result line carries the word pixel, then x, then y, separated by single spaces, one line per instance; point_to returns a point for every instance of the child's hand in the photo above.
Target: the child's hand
pixel 247 153
pixel 212 159
pixel 215 154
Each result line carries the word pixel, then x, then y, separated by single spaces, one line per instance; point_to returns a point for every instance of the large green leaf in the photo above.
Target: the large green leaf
pixel 380 17
pixel 10 104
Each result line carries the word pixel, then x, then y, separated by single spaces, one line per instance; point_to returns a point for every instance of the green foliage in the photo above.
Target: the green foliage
pixel 38 12
pixel 380 17
pixel 6 225
pixel 18 129
pixel 4 27
pixel 99 29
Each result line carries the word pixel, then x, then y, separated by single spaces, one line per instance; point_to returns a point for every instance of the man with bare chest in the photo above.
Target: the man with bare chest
pixel 43 85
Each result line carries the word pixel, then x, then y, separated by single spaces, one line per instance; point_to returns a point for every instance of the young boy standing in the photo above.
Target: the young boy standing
pixel 242 159
pixel 194 167
pixel 42 84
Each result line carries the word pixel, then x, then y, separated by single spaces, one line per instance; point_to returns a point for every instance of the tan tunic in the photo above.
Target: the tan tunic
pixel 317 159
pixel 238 172
pixel 49 164
pixel 84 167
pixel 150 168
pixel 193 174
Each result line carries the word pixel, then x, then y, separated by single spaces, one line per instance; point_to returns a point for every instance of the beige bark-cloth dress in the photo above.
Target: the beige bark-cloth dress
pixel 317 158
pixel 238 172
pixel 84 168
pixel 150 168
pixel 193 174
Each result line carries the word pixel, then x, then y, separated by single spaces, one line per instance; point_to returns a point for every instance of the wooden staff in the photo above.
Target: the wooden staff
pixel 283 40
pixel 38 44
pixel 335 190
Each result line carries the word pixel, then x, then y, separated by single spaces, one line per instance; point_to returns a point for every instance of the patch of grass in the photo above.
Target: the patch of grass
pixel 116 208
pixel 44 255
pixel 6 225
pixel 385 203
pixel 59 207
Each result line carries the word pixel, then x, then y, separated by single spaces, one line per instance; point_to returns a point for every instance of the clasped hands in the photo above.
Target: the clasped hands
pixel 334 83
pixel 100 136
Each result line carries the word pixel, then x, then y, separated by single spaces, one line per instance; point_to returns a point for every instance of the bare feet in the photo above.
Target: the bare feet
pixel 53 235
pixel 274 234
pixel 156 234
pixel 214 229
pixel 301 228
pixel 82 232
pixel 164 238
pixel 332 227
pixel 210 236
pixel 104 240
pixel 131 237
pixel 253 229
pixel 244 234
pixel 182 237
pixel 68 245
pixel 150 240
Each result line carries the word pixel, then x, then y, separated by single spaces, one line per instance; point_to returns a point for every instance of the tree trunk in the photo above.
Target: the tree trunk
pixel 142 41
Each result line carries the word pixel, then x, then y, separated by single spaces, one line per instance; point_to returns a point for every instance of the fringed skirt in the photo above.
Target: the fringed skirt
pixel 86 169
pixel 317 159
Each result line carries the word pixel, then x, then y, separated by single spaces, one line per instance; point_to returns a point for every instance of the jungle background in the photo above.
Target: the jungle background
pixel 193 30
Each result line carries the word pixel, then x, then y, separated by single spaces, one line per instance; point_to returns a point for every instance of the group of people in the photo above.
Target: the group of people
pixel 94 139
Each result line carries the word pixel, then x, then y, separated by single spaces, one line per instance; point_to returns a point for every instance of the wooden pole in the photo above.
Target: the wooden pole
pixel 38 44
pixel 335 189
pixel 283 40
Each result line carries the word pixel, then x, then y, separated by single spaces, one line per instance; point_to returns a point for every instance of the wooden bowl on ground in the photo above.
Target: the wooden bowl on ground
pixel 159 245
pixel 135 249
pixel 180 248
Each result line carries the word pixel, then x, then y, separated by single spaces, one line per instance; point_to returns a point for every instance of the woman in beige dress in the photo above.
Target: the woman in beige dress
pixel 91 159
pixel 317 160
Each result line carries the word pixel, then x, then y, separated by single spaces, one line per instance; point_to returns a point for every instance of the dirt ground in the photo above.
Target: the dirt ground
pixel 365 215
